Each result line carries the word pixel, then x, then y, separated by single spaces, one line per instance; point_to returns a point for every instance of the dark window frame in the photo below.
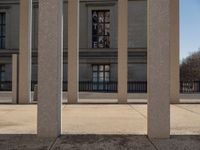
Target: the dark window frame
pixel 100 85
pixel 96 42
pixel 2 70
pixel 2 30
pixel 98 71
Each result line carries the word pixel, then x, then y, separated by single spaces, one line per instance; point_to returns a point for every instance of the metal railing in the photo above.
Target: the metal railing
pixel 98 87
pixel 111 87
pixel 190 86
pixel 88 86
pixel 137 87
pixel 133 86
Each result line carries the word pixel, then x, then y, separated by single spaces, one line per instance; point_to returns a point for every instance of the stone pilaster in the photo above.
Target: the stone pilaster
pixel 50 60
pixel 73 51
pixel 158 68
pixel 174 46
pixel 14 78
pixel 122 50
pixel 25 51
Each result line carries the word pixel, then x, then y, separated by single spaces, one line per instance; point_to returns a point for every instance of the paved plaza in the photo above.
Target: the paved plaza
pixel 91 127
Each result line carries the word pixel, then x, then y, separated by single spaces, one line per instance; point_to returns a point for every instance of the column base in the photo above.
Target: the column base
pixel 175 101
pixel 72 102
pixel 122 100
pixel 24 101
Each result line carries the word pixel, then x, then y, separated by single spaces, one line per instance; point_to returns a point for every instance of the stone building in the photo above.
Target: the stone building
pixel 137 35
pixel 98 40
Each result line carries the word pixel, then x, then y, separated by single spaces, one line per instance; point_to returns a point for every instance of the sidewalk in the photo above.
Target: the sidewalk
pixel 109 127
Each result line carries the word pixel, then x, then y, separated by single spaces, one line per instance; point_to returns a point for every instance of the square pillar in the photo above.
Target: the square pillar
pixel 73 51
pixel 14 77
pixel 25 51
pixel 122 50
pixel 50 60
pixel 158 69
pixel 174 46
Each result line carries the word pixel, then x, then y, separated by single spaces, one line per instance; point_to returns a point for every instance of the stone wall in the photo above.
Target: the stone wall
pixel 137 34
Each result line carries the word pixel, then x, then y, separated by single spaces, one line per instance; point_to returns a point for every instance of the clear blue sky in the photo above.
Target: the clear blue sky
pixel 189 27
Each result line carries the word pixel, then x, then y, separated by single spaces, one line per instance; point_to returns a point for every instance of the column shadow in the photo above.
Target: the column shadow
pixel 98 142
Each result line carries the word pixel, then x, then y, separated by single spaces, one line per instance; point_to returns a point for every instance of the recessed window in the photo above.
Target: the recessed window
pixel 100 76
pixel 2 72
pixel 2 30
pixel 100 29
pixel 2 75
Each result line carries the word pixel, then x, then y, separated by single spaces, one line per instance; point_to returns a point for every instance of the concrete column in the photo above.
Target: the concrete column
pixel 174 46
pixel 73 51
pixel 158 68
pixel 50 60
pixel 122 50
pixel 25 51
pixel 14 78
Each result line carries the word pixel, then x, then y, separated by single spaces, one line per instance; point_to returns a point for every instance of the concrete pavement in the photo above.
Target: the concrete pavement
pixel 109 127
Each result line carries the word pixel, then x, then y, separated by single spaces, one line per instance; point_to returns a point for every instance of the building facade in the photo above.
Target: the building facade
pixel 113 29
pixel 98 40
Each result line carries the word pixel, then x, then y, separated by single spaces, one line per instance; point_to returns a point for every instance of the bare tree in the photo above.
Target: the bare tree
pixel 190 67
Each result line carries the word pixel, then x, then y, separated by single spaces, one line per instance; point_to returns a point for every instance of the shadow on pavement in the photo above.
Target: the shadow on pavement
pixel 99 142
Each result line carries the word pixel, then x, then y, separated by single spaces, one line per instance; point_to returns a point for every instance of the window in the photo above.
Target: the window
pixel 100 29
pixel 100 76
pixel 2 30
pixel 2 75
pixel 2 72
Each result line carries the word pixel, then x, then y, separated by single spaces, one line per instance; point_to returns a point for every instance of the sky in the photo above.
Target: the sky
pixel 189 27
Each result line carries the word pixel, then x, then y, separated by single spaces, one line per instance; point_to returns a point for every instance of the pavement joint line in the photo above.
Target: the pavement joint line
pixel 152 143
pixel 137 111
pixel 53 143
pixel 187 110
